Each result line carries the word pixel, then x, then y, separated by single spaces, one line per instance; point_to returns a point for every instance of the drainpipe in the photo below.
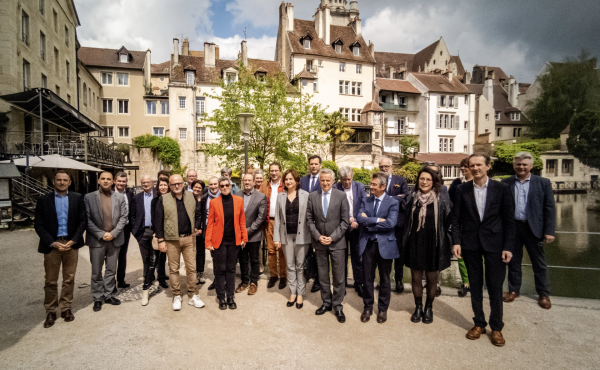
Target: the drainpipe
pixel 41 125
pixel 428 98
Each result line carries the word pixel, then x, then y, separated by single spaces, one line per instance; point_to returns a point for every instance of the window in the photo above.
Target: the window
pixel 551 167
pixel 68 67
pixel 44 81
pixel 466 125
pixel 359 68
pixel 200 134
pixel 341 87
pixel 162 79
pixel 200 106
pixel 93 100
pixel 402 100
pixel 487 117
pixel 515 116
pixel 25 28
pixel 123 58
pixel 42 6
pixel 451 101
pixel 84 94
pixel 304 83
pixel 231 77
pixel 57 89
pixel 55 20
pixel 189 77
pixel 320 62
pixel 66 36
pixel 355 115
pixel 465 150
pixel 448 121
pixel 122 79
pixel 344 112
pixel 151 107
pixel 182 102
pixel 442 101
pixel 110 131
pixel 342 67
pixel 164 107
pixel 516 132
pixel 360 137
pixel 449 171
pixel 359 88
pixel 376 135
pixel 107 78
pixel 499 132
pixel 159 131
pixel 182 134
pixel 123 106
pixel 356 51
pixel 107 106
pixel 350 88
pixel 497 116
pixel 351 114
pixel 353 88
pixel 446 145
pixel 466 99
pixel 567 167
pixel 68 98
pixel 338 48
pixel 56 58
pixel 307 43
pixel 123 131
pixel 42 46
pixel 315 86
pixel 26 76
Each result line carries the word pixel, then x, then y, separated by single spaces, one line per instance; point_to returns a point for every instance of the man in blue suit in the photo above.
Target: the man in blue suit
pixel 378 216
pixel 310 183
pixel 535 215
pixel 355 193
pixel 397 187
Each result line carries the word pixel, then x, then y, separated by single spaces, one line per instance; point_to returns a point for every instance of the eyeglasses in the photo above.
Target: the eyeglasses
pixel 385 166
pixel 177 184
pixel 224 186
pixel 425 180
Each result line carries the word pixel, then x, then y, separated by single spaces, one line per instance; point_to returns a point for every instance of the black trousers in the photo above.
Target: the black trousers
pixel 154 259
pixel 200 253
pixel 250 262
pixel 338 257
pixel 352 238
pixel 371 260
pixel 146 250
pixel 495 272
pixel 122 260
pixel 312 262
pixel 224 261
pixel 535 249
pixel 399 262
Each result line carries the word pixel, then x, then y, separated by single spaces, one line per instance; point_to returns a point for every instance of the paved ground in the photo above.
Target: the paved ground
pixel 263 333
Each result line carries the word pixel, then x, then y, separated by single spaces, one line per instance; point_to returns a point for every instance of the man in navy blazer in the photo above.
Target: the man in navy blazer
pixel 310 183
pixel 355 193
pixel 377 217
pixel 121 187
pixel 535 215
pixel 397 187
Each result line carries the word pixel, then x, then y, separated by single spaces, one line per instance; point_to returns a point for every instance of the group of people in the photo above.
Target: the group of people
pixel 309 224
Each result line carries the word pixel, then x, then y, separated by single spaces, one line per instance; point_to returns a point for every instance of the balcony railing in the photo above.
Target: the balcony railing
pixel 392 106
pixel 401 131
pixel 311 68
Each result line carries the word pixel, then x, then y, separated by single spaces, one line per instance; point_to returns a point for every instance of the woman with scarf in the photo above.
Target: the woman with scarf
pixel 427 239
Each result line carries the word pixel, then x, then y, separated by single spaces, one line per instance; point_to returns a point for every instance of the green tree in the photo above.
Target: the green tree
pixel 409 146
pixel 584 137
pixel 332 166
pixel 166 149
pixel 409 171
pixel 286 123
pixel 568 87
pixel 335 126
pixel 506 153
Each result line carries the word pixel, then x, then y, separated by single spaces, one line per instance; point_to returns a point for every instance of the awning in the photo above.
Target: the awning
pixel 55 161
pixel 54 109
pixel 9 171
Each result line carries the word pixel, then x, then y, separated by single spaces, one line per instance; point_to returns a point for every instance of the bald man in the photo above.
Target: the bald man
pixel 192 176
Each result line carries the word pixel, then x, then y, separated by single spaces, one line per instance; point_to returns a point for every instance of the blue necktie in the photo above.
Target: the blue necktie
pixel 312 184
pixel 376 207
pixel 325 204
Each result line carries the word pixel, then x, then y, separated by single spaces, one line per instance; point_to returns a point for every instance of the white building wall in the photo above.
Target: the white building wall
pixel 463 136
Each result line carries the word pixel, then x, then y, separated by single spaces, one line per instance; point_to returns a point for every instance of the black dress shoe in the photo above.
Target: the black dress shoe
pixel 231 303
pixel 399 287
pixel 315 288
pixel 382 317
pixel 112 300
pixel 282 283
pixel 463 291
pixel 339 315
pixel 418 314
pixel 359 290
pixel 211 286
pixel 97 306
pixel 271 283
pixel 50 319
pixel 163 284
pixel 123 285
pixel 321 310
pixel 299 305
pixel 290 304
pixel 428 315
pixel 366 315
pixel 222 304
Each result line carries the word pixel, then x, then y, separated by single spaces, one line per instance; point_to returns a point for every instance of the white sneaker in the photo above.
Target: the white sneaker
pixel 196 301
pixel 177 303
pixel 145 297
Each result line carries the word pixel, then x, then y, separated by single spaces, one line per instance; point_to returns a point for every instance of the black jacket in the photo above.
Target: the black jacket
pixel 46 221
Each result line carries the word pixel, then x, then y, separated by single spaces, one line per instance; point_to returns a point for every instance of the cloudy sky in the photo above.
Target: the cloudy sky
pixel 516 35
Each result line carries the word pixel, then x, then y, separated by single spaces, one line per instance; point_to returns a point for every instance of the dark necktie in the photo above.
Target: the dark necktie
pixel 376 207
pixel 312 184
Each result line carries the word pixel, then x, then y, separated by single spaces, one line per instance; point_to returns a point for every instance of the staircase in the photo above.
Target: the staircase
pixel 26 192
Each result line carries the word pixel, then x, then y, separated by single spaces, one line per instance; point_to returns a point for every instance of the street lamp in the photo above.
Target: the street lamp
pixel 245 120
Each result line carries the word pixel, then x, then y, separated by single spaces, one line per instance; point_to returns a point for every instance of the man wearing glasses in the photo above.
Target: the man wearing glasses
pixel 396 187
pixel 176 216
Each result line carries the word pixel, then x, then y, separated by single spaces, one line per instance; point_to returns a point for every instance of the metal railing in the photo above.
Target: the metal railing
pixel 392 106
pixel 311 68
pixel 399 131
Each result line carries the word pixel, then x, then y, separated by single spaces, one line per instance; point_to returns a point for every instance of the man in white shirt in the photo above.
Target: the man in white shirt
pixel 192 176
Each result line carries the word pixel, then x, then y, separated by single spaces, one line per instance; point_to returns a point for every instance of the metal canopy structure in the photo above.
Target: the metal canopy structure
pixel 54 161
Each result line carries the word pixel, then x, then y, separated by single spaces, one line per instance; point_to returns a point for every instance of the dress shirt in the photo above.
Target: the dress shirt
pixel 147 212
pixel 247 197
pixel 350 197
pixel 313 183
pixel 124 192
pixel 326 201
pixel 190 189
pixel 379 205
pixel 389 181
pixel 62 212
pixel 521 193
pixel 273 200
pixel 480 197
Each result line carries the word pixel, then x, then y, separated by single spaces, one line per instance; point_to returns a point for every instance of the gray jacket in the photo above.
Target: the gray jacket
pixel 255 215
pixel 95 223
pixel 334 225
pixel 280 229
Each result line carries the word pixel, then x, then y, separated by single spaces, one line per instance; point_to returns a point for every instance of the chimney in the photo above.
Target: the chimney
pixel 245 53
pixel 148 68
pixel 485 74
pixel 209 54
pixel 318 17
pixel 185 47
pixel 356 24
pixel 467 79
pixel 290 17
pixel 513 91
pixel 450 75
pixel 493 75
pixel 327 23
pixel 392 70
pixel 175 51
pixel 488 90
pixel 217 52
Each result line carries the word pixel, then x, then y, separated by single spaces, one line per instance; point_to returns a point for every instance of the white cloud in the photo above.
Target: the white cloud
pixel 262 48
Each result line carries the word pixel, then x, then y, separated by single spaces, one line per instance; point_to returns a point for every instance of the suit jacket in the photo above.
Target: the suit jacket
pixel 46 221
pixel 255 215
pixel 358 194
pixel 305 183
pixel 95 217
pixel 334 225
pixel 384 232
pixel 280 230
pixel 496 231
pixel 540 208
pixel 216 222
pixel 398 189
pixel 137 213
pixel 265 188
pixel 129 195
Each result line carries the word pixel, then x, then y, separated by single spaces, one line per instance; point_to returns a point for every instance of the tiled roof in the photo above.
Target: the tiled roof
pixel 459 66
pixel 523 87
pixel 500 104
pixel 396 85
pixel 424 56
pixel 479 78
pixel 318 48
pixel 439 83
pixel 372 106
pixel 396 60
pixel 207 74
pixel 566 130
pixel 441 158
pixel 161 69
pixel 98 57
pixel 305 74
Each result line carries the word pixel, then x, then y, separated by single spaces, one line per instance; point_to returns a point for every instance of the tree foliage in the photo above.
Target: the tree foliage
pixel 409 146
pixel 568 87
pixel 335 126
pixel 363 175
pixel 409 171
pixel 506 153
pixel 166 149
pixel 332 166
pixel 286 125
pixel 584 137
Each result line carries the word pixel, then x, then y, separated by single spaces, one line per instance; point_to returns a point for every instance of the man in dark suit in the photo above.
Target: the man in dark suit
pixel 397 187
pixel 535 215
pixel 328 216
pixel 310 183
pixel 60 220
pixel 483 227
pixel 378 216
pixel 355 193
pixel 121 187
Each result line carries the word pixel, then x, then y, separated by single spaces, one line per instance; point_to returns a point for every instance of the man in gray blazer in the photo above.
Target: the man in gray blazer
pixel 107 216
pixel 328 217
pixel 255 206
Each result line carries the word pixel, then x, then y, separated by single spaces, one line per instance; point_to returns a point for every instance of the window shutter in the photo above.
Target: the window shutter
pixel 447 101
pixel 439 100
pixel 457 122
pixel 437 121
pixel 456 100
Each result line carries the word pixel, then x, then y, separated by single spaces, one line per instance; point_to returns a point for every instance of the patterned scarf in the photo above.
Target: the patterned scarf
pixel 424 200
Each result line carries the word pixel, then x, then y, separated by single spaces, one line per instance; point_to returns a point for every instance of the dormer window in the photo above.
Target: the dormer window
pixel 338 48
pixel 261 77
pixel 230 77
pixel 305 41
pixel 189 77
pixel 123 58
pixel 307 44
pixel 356 51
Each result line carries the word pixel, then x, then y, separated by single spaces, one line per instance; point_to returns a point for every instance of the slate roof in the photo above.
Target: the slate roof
pixel 424 56
pixel 523 87
pixel 98 57
pixel 372 106
pixel 397 60
pixel 479 78
pixel 500 104
pixel 161 69
pixel 396 85
pixel 439 83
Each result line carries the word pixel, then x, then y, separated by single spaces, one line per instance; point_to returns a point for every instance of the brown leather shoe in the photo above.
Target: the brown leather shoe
pixel 272 281
pixel 240 288
pixel 510 296
pixel 67 315
pixel 252 290
pixel 544 302
pixel 50 319
pixel 497 338
pixel 475 332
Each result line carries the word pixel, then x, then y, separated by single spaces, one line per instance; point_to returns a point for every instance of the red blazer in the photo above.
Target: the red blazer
pixel 216 223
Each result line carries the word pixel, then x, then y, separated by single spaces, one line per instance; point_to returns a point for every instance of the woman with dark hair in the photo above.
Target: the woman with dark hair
pixel 427 238
pixel 292 234
pixel 197 188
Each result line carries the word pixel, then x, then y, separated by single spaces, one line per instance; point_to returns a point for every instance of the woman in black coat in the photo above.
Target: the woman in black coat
pixel 427 241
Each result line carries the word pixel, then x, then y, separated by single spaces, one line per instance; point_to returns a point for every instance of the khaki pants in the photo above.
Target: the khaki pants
pixel 187 248
pixel 273 253
pixel 52 263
